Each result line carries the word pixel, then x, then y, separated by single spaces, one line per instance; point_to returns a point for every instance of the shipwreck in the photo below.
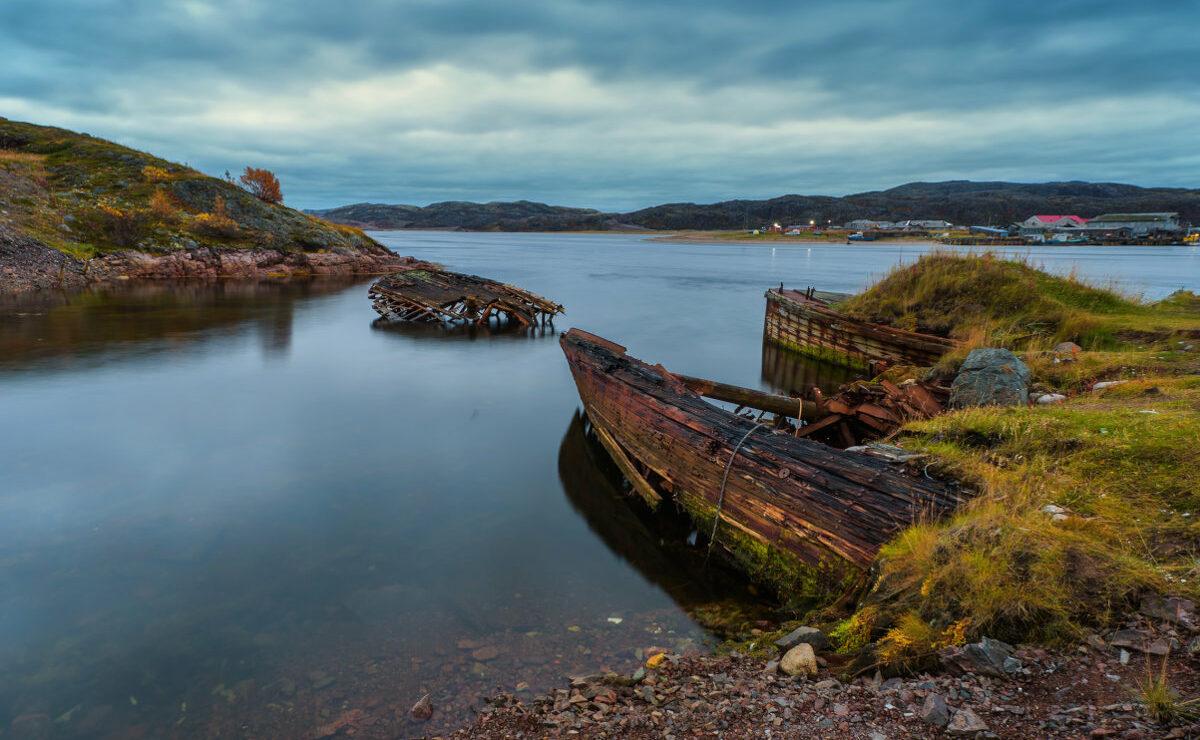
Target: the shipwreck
pixel 804 321
pixel 761 477
pixel 429 294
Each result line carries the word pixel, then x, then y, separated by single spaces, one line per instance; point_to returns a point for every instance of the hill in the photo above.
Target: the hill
pixel 521 215
pixel 957 201
pixel 75 208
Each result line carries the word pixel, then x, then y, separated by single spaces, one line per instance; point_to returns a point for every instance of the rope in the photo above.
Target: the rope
pixel 712 538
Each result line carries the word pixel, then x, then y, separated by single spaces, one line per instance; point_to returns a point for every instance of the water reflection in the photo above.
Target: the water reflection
pixel 794 374
pixel 59 329
pixel 420 330
pixel 653 542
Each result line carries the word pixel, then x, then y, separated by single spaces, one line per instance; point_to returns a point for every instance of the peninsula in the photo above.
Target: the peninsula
pixel 76 209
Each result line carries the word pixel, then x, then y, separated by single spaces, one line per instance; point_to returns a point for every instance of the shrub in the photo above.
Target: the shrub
pixel 155 174
pixel 216 224
pixel 124 227
pixel 262 184
pixel 163 206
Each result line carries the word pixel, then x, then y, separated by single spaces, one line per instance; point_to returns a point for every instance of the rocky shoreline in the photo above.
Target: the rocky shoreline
pixel 26 264
pixel 985 689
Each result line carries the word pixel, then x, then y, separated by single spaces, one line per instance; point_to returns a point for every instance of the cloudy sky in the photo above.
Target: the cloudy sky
pixel 619 103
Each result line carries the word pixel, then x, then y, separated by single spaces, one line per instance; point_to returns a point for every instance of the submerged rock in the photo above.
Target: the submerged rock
pixel 422 710
pixel 991 377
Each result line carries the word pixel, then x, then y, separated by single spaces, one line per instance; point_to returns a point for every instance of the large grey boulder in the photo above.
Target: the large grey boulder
pixel 990 377
pixel 987 657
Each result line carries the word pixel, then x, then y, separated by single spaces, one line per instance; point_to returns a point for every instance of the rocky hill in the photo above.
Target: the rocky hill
pixel 75 208
pixel 958 201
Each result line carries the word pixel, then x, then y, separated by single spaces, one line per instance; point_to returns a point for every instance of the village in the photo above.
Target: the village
pixel 1158 228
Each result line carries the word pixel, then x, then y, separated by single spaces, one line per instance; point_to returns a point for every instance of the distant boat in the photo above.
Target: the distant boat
pixel 858 236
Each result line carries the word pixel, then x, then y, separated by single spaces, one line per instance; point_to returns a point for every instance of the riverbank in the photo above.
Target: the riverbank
pixel 26 264
pixel 1095 689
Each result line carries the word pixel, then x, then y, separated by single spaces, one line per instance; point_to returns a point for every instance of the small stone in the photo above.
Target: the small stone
pixel 935 711
pixel 1123 657
pixel 841 710
pixel 1049 398
pixel 965 722
pixel 422 710
pixel 771 667
pixel 1069 349
pixel 799 661
pixel 1108 384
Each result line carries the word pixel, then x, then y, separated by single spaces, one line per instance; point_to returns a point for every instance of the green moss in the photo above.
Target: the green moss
pixel 798 585
pixel 823 354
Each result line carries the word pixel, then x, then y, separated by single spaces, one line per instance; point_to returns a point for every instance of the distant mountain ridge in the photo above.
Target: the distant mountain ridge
pixel 957 201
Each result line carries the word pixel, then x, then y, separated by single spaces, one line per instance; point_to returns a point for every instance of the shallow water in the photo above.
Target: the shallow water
pixel 246 509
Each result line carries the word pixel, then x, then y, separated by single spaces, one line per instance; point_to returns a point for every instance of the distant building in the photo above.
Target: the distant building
pixel 917 224
pixel 866 224
pixel 1053 222
pixel 1136 224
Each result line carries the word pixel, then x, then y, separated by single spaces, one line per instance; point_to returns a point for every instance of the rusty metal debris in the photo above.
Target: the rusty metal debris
pixel 433 295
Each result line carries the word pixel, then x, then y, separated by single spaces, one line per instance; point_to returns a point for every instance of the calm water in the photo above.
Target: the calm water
pixel 243 509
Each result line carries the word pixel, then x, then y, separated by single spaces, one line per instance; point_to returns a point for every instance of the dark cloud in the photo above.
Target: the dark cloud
pixel 618 103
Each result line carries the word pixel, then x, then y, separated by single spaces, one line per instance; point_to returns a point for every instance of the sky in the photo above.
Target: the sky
pixel 619 104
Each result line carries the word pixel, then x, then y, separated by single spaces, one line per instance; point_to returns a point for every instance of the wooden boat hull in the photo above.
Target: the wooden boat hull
pixel 826 508
pixel 807 324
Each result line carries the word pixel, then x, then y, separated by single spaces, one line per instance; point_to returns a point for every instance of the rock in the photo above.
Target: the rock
pixel 771 667
pixel 965 722
pixel 990 377
pixel 1108 384
pixel 841 710
pixel 811 635
pixel 934 711
pixel 1067 349
pixel 1048 398
pixel 987 657
pixel 1173 609
pixel 1056 513
pixel 799 661
pixel 422 710
pixel 1143 642
pixel 1193 647
pixel 485 654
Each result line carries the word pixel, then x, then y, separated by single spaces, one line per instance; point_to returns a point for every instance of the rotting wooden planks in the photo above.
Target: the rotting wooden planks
pixel 812 500
pixel 433 295
pixel 801 321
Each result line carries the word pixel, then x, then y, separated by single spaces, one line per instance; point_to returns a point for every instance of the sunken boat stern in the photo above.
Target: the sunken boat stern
pixel 799 516
pixel 801 321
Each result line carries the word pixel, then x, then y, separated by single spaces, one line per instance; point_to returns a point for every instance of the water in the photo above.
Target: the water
pixel 243 509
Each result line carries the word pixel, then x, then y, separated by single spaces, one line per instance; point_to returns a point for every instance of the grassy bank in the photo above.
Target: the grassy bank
pixel 1082 507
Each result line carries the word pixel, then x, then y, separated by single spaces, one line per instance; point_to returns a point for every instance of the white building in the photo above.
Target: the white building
pixel 1048 222
pixel 1137 224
